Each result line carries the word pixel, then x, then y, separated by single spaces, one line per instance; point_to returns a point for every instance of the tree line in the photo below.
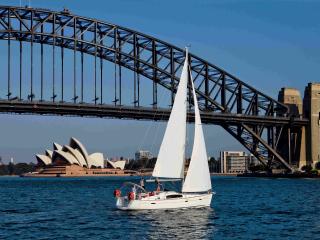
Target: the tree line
pixel 17 169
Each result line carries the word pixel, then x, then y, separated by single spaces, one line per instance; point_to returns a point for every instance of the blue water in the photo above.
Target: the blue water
pixel 243 208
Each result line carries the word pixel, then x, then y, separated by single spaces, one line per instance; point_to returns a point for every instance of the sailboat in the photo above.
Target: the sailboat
pixel 196 185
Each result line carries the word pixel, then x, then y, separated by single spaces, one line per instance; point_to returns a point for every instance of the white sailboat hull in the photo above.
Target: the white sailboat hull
pixel 164 200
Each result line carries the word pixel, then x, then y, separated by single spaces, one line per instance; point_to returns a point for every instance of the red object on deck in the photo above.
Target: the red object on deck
pixel 131 195
pixel 151 193
pixel 117 193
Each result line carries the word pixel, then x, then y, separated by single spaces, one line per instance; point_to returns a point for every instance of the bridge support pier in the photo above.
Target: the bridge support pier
pixel 292 143
pixel 311 105
pixel 300 146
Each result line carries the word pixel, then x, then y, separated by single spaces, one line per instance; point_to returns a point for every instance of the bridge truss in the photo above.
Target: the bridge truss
pixel 256 120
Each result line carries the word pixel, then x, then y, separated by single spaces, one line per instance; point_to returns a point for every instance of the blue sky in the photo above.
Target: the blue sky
pixel 268 44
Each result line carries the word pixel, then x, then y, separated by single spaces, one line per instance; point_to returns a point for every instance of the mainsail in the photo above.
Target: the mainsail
pixel 171 157
pixel 198 176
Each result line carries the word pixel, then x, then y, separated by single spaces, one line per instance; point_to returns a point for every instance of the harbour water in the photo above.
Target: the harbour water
pixel 83 208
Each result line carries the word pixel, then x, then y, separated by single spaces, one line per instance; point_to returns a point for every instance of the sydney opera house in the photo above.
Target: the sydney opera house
pixel 74 160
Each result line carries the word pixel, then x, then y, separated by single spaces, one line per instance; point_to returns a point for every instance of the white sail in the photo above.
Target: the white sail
pixel 171 157
pixel 198 176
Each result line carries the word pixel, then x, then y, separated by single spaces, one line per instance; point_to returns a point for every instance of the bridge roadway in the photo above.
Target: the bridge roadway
pixel 142 113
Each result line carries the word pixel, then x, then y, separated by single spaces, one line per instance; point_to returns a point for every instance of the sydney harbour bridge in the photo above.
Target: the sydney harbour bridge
pixel 58 63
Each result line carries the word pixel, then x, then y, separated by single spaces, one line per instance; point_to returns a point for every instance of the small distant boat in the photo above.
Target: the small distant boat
pixel 196 185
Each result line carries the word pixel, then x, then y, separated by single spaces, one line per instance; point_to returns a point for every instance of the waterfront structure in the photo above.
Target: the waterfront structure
pixel 143 155
pixel 116 164
pixel 295 149
pixel 303 147
pixel 235 161
pixel 311 108
pixel 73 154
pixel 77 171
pixel 73 160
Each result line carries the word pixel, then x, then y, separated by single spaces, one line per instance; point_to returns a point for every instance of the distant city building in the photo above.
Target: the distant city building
pixel 141 154
pixel 235 161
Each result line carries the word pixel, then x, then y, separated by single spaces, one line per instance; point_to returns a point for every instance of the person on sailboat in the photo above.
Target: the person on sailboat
pixel 142 183
pixel 158 185
pixel 134 190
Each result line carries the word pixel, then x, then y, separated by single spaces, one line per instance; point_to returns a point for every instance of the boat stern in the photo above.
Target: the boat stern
pixel 122 203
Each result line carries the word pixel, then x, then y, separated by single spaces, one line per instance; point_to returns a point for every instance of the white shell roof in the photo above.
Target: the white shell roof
pixel 76 144
pixel 96 159
pixel 77 154
pixel 49 153
pixel 43 159
pixel 117 164
pixel 74 153
pixel 57 146
pixel 68 157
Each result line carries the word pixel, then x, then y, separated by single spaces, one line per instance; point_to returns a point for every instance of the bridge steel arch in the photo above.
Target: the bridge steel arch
pixel 252 117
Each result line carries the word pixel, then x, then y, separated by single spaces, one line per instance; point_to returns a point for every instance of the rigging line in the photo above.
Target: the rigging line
pixel 147 131
pixel 154 138
pixel 158 125
pixel 150 124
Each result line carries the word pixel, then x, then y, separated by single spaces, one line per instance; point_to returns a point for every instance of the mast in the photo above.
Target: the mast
pixel 185 140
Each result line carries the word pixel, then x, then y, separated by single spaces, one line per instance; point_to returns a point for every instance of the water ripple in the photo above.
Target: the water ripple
pixel 84 209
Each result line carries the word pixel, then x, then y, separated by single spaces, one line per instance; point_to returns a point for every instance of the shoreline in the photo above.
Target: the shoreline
pixel 249 175
pixel 224 174
pixel 9 176
pixel 279 175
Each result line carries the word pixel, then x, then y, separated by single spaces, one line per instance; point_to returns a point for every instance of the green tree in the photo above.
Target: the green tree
pixel 307 168
pixel 257 168
pixel 21 168
pixel 4 170
pixel 11 168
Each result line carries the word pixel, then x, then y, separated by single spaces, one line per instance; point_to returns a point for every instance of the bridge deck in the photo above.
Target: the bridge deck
pixel 142 113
